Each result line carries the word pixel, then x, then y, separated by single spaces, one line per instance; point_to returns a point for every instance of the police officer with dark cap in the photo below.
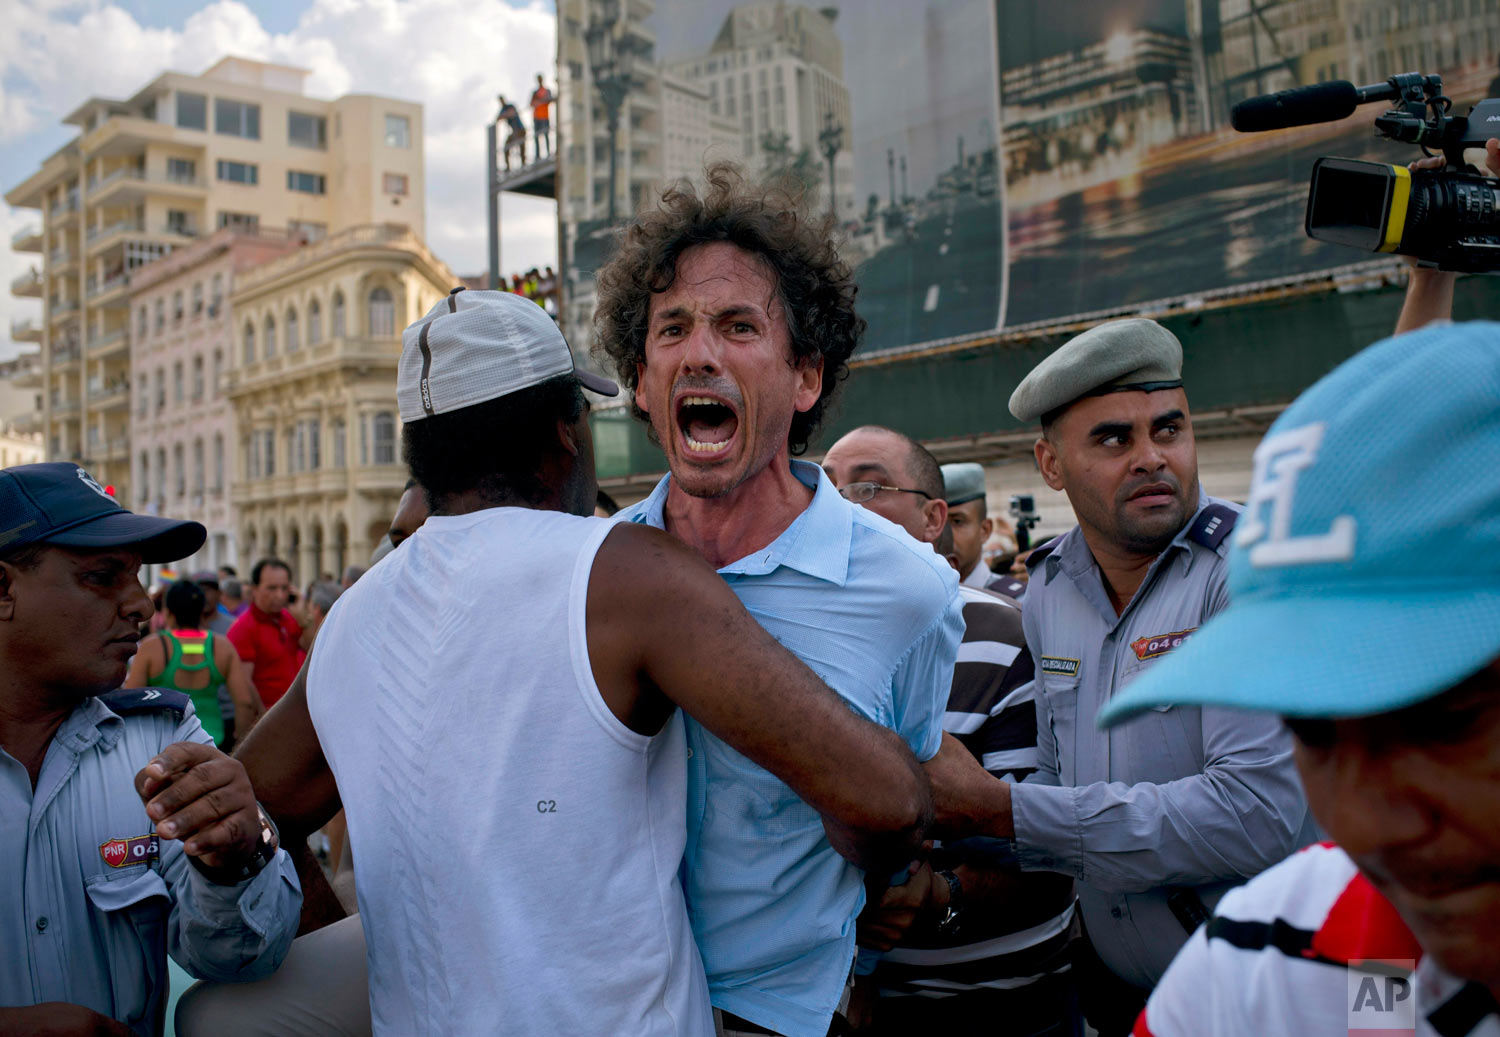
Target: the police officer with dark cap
pixel 123 831
pixel 1157 817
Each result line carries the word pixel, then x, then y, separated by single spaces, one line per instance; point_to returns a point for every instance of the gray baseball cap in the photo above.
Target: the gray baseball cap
pixel 476 346
pixel 1116 356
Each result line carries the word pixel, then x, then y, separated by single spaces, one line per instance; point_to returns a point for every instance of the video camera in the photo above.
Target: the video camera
pixel 1448 218
pixel 1023 512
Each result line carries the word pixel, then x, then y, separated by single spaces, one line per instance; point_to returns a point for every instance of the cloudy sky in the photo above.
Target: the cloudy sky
pixel 453 56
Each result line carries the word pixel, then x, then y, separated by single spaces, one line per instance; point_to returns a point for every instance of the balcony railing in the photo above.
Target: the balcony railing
pixel 25 330
pixel 64 208
pixel 29 234
pixel 95 233
pixel 142 177
pixel 110 284
pixel 27 283
pixel 62 308
pixel 98 343
pixel 108 390
pixel 64 355
pixel 61 255
pixel 62 408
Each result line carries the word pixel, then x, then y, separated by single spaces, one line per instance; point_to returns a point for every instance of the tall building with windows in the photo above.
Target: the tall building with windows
pixel 317 455
pixel 182 430
pixel 776 70
pixel 240 146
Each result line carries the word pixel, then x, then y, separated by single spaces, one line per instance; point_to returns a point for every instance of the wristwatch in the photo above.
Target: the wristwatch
pixel 948 924
pixel 267 841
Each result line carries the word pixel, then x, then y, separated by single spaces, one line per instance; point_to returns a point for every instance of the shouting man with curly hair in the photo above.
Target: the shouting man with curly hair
pixel 730 318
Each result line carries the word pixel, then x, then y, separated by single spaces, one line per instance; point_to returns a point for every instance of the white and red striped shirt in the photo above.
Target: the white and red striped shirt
pixel 1306 948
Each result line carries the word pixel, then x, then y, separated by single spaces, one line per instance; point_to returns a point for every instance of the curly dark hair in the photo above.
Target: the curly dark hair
pixel 815 286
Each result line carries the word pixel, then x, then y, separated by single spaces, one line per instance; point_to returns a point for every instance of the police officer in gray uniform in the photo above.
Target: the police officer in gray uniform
pixel 124 834
pixel 1155 818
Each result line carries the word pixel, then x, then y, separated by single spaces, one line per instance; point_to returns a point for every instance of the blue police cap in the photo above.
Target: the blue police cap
pixel 60 503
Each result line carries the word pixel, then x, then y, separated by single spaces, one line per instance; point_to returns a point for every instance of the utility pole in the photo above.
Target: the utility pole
pixel 492 182
pixel 905 194
pixel 890 164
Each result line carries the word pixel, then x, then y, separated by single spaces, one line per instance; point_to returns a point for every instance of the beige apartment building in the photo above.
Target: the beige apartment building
pixel 240 146
pixel 318 469
pixel 182 430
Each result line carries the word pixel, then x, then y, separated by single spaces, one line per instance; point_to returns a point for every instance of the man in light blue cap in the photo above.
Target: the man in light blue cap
pixel 1391 688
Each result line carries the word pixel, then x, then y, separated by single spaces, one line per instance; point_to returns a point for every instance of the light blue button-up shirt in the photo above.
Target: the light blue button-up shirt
pixel 878 617
pixel 86 914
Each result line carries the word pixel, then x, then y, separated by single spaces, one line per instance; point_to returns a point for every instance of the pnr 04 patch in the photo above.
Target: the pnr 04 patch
pixel 122 853
pixel 1060 666
pixel 1159 644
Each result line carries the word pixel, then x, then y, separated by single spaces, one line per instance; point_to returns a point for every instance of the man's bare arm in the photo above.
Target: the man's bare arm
pixel 293 781
pixel 658 613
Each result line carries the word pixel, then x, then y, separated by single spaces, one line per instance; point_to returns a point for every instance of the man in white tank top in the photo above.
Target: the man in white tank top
pixel 495 707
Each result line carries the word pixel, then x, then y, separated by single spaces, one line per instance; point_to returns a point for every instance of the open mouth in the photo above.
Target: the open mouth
pixel 708 425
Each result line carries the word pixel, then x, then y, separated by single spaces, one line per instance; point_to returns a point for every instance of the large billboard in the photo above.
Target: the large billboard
pixel 998 163
pixel 1124 182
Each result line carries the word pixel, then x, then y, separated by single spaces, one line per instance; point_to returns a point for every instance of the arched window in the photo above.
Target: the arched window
pixel 340 443
pixel 268 338
pixel 161 473
pixel 143 477
pixel 140 324
pixel 382 316
pixel 385 437
pixel 293 341
pixel 314 323
pixel 338 328
pixel 218 462
pixel 249 343
pixel 177 306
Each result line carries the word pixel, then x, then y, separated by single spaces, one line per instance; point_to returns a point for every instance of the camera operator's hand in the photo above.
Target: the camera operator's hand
pixel 1429 292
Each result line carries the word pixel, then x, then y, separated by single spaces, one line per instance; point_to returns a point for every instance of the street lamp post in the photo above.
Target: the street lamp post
pixel 831 137
pixel 607 64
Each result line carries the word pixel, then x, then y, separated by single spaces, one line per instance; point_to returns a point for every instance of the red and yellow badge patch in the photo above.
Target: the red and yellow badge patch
pixel 121 853
pixel 1159 644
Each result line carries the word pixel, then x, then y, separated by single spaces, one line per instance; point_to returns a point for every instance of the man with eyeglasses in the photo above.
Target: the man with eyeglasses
pixel 966 942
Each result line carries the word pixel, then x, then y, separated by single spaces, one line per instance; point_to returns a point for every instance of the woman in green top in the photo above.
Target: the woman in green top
pixel 189 659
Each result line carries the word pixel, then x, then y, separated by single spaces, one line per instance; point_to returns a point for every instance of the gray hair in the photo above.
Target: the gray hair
pixel 352 574
pixel 231 589
pixel 322 594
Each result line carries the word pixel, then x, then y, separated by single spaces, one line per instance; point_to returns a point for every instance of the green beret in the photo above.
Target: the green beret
pixel 1116 356
pixel 963 482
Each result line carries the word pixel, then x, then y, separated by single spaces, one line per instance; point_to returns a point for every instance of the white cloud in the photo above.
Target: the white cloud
pixel 453 56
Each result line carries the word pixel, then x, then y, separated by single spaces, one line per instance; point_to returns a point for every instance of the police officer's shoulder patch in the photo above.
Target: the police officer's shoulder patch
pixel 1213 526
pixel 126 701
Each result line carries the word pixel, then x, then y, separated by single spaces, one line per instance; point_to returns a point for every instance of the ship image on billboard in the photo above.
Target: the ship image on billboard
pixel 886 111
pixel 1124 182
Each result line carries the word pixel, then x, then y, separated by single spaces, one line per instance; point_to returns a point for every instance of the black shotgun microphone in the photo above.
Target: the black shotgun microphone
pixel 1302 106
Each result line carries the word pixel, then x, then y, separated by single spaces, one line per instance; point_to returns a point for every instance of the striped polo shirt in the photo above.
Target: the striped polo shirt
pixel 992 711
pixel 1311 947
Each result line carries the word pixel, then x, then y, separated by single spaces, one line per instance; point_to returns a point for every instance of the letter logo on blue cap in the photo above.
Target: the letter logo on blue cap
pixel 93 484
pixel 1279 461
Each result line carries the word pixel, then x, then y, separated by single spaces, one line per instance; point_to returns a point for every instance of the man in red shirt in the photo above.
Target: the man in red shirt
pixel 266 635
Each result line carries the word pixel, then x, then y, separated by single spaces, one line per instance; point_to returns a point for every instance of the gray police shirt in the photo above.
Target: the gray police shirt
pixel 92 901
pixel 1173 807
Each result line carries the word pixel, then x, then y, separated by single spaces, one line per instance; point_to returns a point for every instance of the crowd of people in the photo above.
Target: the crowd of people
pixel 772 750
